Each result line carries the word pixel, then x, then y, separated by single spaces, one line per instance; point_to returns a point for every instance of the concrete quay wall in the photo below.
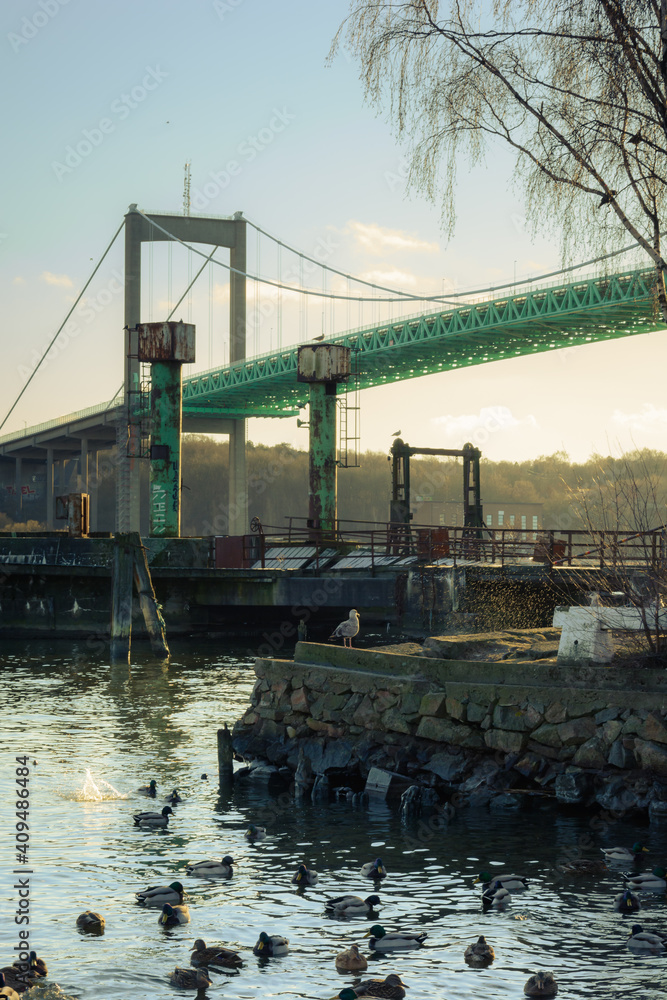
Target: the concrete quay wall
pixel 494 728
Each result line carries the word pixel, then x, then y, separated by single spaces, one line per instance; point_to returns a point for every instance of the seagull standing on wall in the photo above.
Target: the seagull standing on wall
pixel 347 629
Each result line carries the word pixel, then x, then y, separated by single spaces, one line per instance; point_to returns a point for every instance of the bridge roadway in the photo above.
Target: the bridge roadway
pixel 530 322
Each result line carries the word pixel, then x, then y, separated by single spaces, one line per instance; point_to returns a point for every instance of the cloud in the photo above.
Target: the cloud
pixel 378 240
pixel 480 425
pixel 651 418
pixel 18 280
pixel 394 277
pixel 56 279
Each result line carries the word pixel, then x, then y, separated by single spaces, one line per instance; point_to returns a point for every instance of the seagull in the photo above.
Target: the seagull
pixel 347 629
pixel 396 434
pixel 321 337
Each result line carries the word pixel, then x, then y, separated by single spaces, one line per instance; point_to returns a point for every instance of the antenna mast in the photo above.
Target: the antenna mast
pixel 186 190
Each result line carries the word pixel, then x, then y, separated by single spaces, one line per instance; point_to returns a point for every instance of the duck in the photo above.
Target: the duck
pixel 173 915
pixel 515 883
pixel 304 876
pixel 351 960
pixel 189 979
pixel 211 868
pixel 255 833
pixel 374 869
pixel 270 946
pixel 584 866
pixel 174 798
pixel 7 991
pixel 497 899
pixel 656 880
pixel 15 981
pixel 150 789
pixel 381 940
pixel 624 853
pixel 91 922
pixel 158 895
pixel 626 903
pixel 479 953
pixel 641 940
pixel 542 984
pixel 153 820
pixel 37 965
pixel 216 955
pixel 391 988
pixel 352 906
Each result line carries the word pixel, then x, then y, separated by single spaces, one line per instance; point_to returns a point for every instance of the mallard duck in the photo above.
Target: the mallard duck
pixel 624 853
pixel 270 946
pixel 255 833
pixel 37 965
pixel 157 895
pixel 352 906
pixel 351 960
pixel 498 899
pixel 150 790
pixel 15 981
pixel 641 940
pixel 174 798
pixel 216 955
pixel 391 988
pixel 649 880
pixel 515 883
pixel 153 820
pixel 479 953
pixel 542 984
pixel 304 876
pixel 627 902
pixel 381 941
pixel 189 979
pixel 584 866
pixel 7 991
pixel 374 869
pixel 173 915
pixel 90 922
pixel 211 868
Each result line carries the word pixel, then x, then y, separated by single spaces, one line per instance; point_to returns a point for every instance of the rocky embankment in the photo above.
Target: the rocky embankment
pixel 473 720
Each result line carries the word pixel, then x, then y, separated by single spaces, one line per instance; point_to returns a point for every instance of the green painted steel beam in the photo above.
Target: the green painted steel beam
pixel 545 319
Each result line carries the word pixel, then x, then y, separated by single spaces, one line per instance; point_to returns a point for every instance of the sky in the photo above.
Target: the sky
pixel 105 104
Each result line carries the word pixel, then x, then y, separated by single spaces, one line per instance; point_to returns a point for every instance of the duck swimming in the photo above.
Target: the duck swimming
pixel 255 833
pixel 304 877
pixel 584 866
pixel 214 956
pixel 189 979
pixel 515 883
pixel 351 960
pixel 171 916
pixel 624 853
pixel 391 988
pixel 655 880
pixel 7 991
pixel 641 940
pixel 498 899
pixel 626 903
pixel 158 895
pixel 90 922
pixel 150 790
pixel 155 820
pixel 270 946
pixel 352 906
pixel 479 953
pixel 212 868
pixel 174 798
pixel 381 940
pixel 374 869
pixel 542 984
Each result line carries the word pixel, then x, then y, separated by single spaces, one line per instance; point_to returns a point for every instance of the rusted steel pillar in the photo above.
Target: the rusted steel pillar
pixel 167 346
pixel 322 468
pixel 121 600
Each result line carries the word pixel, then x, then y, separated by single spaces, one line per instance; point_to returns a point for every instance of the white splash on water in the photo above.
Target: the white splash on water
pixel 94 790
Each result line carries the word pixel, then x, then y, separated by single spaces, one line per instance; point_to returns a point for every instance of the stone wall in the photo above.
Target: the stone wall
pixel 543 726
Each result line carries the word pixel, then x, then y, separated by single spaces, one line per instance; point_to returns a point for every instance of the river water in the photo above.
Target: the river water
pixel 98 733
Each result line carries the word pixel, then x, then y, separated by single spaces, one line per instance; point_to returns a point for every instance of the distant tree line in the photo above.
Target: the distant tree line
pixel 278 485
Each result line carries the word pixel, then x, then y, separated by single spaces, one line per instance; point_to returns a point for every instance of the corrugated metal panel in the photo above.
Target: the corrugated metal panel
pixel 286 557
pixel 364 559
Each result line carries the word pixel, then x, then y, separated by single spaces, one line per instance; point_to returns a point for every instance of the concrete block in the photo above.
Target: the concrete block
pixel 382 784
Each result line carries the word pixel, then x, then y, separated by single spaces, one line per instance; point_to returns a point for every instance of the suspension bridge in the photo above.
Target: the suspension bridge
pixel 450 331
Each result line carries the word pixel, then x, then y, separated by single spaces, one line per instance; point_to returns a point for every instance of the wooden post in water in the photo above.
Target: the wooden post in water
pixel 155 625
pixel 225 757
pixel 121 600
